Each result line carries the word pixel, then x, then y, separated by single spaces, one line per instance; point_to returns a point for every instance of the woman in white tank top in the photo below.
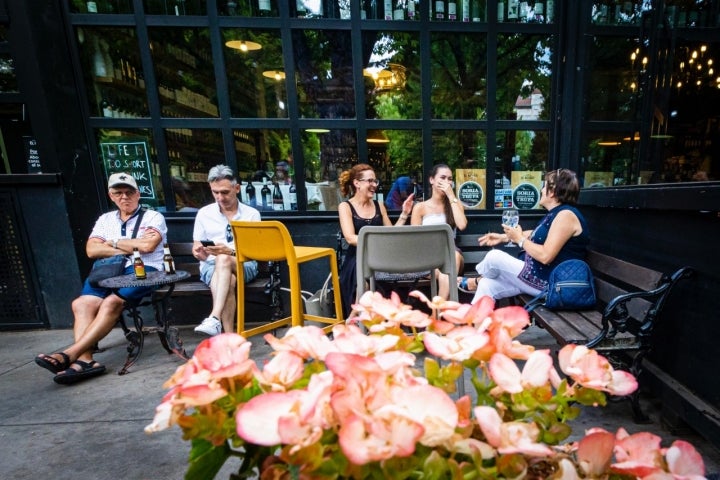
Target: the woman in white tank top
pixel 442 207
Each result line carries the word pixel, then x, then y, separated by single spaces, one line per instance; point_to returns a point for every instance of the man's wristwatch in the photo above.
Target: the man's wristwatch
pixel 114 243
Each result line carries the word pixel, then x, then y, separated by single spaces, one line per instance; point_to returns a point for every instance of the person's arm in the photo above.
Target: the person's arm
pixel 455 205
pixel 407 208
pixel 418 213
pixel 346 223
pixel 97 248
pixel 563 228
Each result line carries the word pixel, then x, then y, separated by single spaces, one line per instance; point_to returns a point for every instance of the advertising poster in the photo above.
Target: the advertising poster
pixel 526 188
pixel 503 198
pixel 598 179
pixel 132 158
pixel 470 187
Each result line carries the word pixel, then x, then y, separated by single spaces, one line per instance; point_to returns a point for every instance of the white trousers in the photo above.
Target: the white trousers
pixel 499 276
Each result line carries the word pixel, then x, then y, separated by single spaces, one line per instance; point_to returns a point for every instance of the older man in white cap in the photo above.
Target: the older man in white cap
pixel 96 310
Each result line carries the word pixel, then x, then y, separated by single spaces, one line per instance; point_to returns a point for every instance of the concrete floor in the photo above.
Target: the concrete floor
pixel 94 429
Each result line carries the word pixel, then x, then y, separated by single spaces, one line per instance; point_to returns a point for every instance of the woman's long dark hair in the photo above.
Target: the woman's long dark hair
pixel 447 207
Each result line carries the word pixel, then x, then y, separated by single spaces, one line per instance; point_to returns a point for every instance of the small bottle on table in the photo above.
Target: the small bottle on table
pixel 168 261
pixel 138 265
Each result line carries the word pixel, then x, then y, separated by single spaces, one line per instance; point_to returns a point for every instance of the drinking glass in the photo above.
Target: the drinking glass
pixel 511 218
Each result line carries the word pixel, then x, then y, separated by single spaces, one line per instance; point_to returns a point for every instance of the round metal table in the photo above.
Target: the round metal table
pixel 169 335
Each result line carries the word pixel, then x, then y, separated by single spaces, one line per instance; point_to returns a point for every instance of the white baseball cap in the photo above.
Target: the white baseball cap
pixel 119 179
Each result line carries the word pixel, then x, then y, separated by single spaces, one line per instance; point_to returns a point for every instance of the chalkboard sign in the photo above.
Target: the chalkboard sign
pixel 32 155
pixel 132 158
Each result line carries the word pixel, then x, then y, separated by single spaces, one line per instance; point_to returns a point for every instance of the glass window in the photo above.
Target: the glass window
pixel 8 79
pixel 616 83
pixel 325 9
pixel 255 73
pixel 524 71
pixel 610 158
pixel 191 154
pixel 392 75
pixel 515 11
pixel 133 151
pixel 101 6
pixel 248 8
pixel 521 158
pixel 459 76
pixel 176 7
pixel 113 75
pixel 323 59
pixel 184 71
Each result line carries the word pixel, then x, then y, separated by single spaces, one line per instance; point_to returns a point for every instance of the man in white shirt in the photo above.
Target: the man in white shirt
pixel 217 262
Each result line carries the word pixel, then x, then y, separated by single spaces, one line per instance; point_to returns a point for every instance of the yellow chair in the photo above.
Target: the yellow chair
pixel 270 241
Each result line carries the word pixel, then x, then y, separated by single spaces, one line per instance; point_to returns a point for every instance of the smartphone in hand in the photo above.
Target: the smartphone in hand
pixel 207 243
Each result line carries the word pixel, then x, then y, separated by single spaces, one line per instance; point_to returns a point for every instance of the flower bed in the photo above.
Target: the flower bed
pixel 357 407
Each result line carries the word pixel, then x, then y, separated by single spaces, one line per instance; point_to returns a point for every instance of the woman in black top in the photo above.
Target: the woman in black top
pixel 360 209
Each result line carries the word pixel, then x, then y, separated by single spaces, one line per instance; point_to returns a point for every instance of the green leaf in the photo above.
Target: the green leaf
pixel 206 460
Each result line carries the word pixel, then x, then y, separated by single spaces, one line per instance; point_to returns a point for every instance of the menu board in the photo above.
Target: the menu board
pixel 132 158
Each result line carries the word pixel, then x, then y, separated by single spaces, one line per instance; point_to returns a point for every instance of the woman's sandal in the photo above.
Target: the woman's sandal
pixel 463 285
pixel 51 363
pixel 87 370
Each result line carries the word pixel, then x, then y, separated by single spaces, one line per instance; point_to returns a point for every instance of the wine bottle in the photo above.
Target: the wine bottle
pixel 250 194
pixel 300 10
pixel 412 10
pixel 379 195
pixel 398 12
pixel 539 12
pixel 549 11
pixel 476 11
pixel 264 8
pixel 452 10
pixel 465 12
pixel 388 9
pixel 278 202
pixel 439 13
pixel 513 8
pixel 293 197
pixel 265 195
pixel 501 11
pixel 523 12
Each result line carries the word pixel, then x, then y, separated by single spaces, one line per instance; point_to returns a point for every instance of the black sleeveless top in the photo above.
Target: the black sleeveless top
pixel 359 222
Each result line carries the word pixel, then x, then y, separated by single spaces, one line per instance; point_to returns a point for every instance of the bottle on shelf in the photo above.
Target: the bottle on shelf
pixel 91 7
pixel 387 9
pixel 379 194
pixel 168 261
pixel 452 10
pixel 264 8
pixel 278 202
pixel 265 195
pixel 523 12
pixel 300 10
pixel 398 13
pixel 438 10
pixel 549 11
pixel 293 197
pixel 539 12
pixel 513 10
pixel 465 14
pixel 412 10
pixel 250 194
pixel 138 265
pixel 501 11
pixel 476 13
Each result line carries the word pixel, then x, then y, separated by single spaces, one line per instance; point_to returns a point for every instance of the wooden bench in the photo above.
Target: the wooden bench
pixel 630 299
pixel 184 260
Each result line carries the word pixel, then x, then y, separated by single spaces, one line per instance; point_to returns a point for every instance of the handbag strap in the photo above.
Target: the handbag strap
pixel 536 301
pixel 137 222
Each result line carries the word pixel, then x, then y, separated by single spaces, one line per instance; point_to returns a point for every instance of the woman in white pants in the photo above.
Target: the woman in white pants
pixel 562 234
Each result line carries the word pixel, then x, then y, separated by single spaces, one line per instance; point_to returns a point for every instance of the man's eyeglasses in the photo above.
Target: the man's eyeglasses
pixel 369 180
pixel 228 233
pixel 126 193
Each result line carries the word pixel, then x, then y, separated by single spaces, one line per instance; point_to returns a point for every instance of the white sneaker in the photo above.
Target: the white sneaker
pixel 210 326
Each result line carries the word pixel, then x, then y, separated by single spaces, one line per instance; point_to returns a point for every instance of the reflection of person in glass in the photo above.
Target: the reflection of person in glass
pixel 442 207
pixel 360 184
pixel 282 176
pixel 399 192
pixel 562 234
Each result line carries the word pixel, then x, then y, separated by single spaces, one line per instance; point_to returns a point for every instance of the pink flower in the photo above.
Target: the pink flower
pixel 258 421
pixel 282 371
pixel 307 342
pixel 458 344
pixel 510 437
pixel 225 355
pixel 538 371
pixel 591 370
pixel 428 406
pixel 382 313
pixel 350 339
pixel 638 454
pixel 684 462
pixel 595 453
pixel 379 439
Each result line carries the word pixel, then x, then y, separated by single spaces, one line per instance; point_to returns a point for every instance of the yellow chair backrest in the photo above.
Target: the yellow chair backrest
pixel 265 241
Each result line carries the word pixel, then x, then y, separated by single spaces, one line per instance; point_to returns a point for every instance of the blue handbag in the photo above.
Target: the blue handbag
pixel 570 287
